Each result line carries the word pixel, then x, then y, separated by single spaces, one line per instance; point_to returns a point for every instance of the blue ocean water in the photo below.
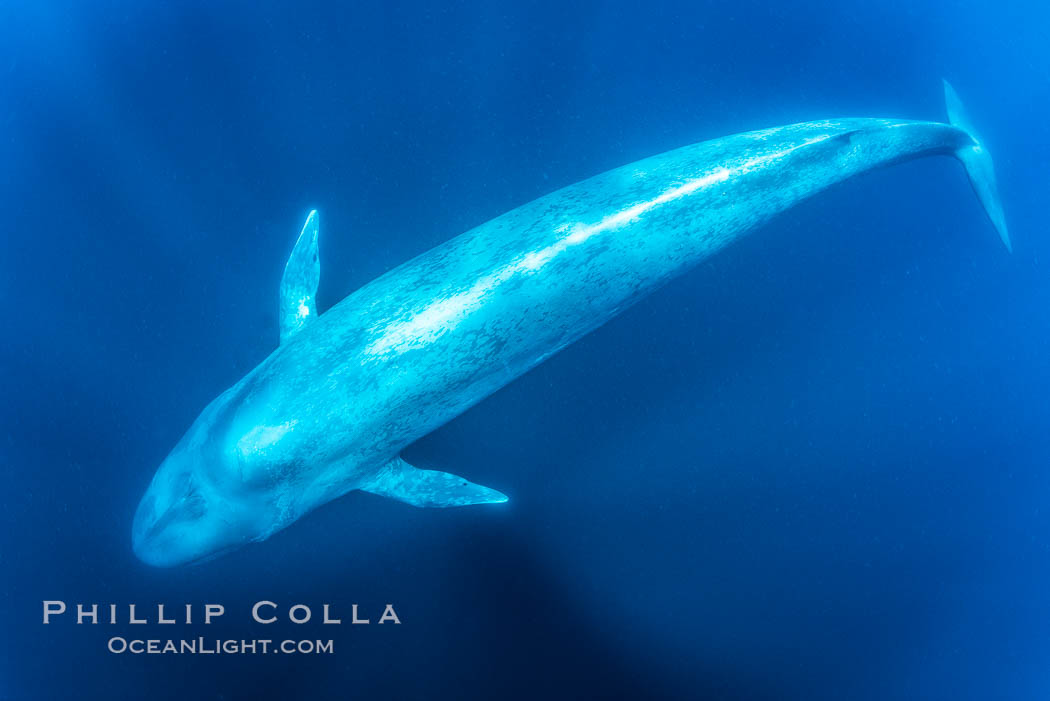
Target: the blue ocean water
pixel 815 467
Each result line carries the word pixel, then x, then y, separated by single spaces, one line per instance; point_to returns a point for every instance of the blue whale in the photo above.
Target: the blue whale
pixel 346 391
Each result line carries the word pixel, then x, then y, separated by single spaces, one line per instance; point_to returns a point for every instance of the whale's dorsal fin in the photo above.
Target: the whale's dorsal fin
pixel 299 282
pixel 399 480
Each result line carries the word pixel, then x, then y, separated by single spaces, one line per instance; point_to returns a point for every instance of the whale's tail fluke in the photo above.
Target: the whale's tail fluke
pixel 978 163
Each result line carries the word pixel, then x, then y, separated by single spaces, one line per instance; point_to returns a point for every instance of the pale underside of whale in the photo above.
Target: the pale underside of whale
pixel 331 409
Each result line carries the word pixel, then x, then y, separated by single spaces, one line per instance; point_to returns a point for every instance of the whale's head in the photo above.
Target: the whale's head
pixel 178 520
pixel 195 508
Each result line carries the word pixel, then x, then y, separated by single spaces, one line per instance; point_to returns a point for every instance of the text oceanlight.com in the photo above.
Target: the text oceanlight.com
pixel 204 646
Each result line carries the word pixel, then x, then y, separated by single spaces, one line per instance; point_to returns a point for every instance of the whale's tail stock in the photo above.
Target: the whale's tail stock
pixel 978 163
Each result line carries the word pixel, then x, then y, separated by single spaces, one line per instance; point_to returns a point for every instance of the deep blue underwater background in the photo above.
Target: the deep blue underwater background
pixel 817 467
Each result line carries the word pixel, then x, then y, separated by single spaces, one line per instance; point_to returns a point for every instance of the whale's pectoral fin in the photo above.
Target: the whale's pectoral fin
pixel 299 282
pixel 399 480
pixel 978 163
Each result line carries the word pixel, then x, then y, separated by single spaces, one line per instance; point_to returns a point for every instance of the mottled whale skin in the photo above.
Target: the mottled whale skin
pixel 331 409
